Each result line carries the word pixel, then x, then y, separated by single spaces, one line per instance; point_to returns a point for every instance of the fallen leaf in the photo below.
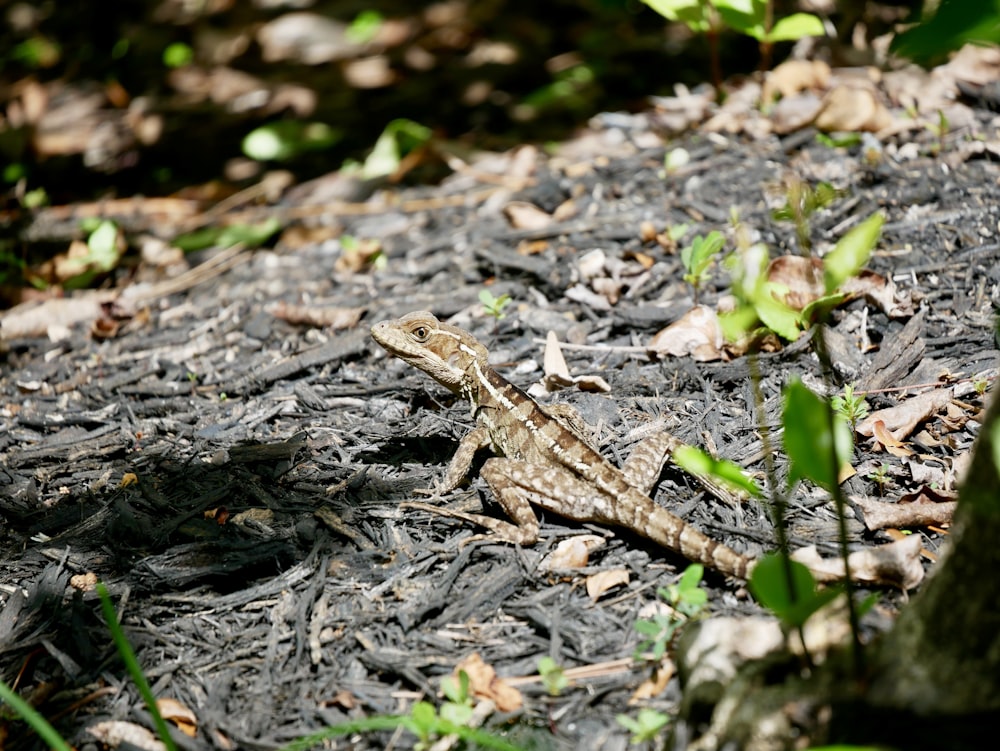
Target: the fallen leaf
pixel 897 563
pixel 904 417
pixel 179 714
pixel 557 372
pixel 852 108
pixel 572 553
pixel 921 511
pixel 602 581
pixel 484 683
pixel 115 733
pixel 318 316
pixel 799 279
pixel 696 334
pixel 655 684
pixel 793 76
pixel 523 215
pixel 879 291
pixel 888 441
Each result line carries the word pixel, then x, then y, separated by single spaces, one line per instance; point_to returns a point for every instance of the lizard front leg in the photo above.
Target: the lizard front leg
pixel 645 464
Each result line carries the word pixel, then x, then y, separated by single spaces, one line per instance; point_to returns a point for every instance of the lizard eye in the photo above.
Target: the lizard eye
pixel 421 333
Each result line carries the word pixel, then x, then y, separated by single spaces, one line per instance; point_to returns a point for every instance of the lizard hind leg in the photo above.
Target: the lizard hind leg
pixel 645 464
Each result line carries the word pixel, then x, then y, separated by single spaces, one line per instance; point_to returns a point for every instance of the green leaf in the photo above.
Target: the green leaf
pixel 285 139
pixel 250 235
pixel 739 322
pixel 852 252
pixel 792 601
pixel 781 319
pixel 744 16
pixel 695 14
pixel 364 27
pixel 815 452
pixel 697 462
pixel 177 55
pixel 399 138
pixel 796 26
pixel 818 308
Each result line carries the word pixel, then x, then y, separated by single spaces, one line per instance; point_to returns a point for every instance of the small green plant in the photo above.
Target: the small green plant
pixel 646 725
pixel 365 26
pixel 759 300
pixel 880 477
pixel 850 406
pixel 940 131
pixel 980 383
pixel 755 18
pixel 458 708
pixel 250 235
pixel 801 202
pixel 494 305
pixel 283 140
pixel 553 676
pixel 177 55
pixel 686 600
pixel 698 257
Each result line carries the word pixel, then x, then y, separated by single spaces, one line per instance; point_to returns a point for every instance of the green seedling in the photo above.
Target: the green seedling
pixel 852 407
pixel 646 725
pixel 177 55
pixel 494 305
pixel 980 384
pixel 365 27
pixel 801 202
pixel 880 477
pixel 400 138
pixel 687 600
pixel 458 708
pixel 553 676
pixel 751 17
pixel 284 140
pixel 250 235
pixel 697 258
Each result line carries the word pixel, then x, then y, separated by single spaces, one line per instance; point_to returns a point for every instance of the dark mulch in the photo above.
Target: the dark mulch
pixel 307 596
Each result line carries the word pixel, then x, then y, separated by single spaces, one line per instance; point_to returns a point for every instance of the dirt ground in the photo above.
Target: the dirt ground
pixel 234 472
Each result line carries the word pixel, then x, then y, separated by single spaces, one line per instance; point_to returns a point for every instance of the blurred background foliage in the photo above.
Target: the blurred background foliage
pixel 118 98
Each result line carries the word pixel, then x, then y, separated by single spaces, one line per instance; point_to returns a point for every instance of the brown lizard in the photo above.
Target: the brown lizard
pixel 546 460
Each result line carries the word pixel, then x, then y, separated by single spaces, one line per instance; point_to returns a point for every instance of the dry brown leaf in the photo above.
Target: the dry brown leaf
pixel 602 581
pixel 84 582
pixel 572 553
pixel 655 684
pixel 179 714
pixel 358 258
pixel 800 280
pixel 793 76
pixel 115 733
pixel 557 374
pixel 52 317
pixel 523 215
pixel 532 247
pixel 696 334
pixel 314 315
pixel 852 108
pixel 796 112
pixel 895 564
pixel 566 210
pixel 553 362
pixel 888 441
pixel 880 292
pixel 919 509
pixel 903 418
pixel 484 683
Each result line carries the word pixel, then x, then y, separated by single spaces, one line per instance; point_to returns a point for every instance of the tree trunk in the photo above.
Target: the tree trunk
pixel 931 682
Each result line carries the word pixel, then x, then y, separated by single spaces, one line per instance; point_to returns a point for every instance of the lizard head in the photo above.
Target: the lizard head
pixel 445 353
